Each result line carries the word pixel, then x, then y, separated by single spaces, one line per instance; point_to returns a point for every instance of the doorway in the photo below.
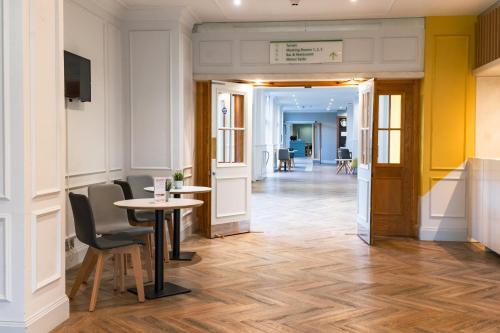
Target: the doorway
pixel 384 180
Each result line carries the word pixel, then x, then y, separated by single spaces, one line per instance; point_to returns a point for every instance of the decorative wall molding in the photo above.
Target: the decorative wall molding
pixel 5 106
pixel 34 106
pixel 57 274
pixel 134 164
pixel 6 249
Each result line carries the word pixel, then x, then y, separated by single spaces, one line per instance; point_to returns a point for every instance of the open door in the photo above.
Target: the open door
pixel 231 114
pixel 363 220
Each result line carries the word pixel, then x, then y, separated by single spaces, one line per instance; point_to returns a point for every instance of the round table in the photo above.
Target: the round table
pixel 160 288
pixel 176 253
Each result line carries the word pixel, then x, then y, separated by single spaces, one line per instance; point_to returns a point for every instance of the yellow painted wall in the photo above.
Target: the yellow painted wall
pixel 448 97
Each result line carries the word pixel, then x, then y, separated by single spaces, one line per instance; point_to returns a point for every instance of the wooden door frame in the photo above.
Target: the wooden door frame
pixel 205 152
pixel 413 85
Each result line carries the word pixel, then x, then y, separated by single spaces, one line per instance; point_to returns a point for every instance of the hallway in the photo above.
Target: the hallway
pixel 304 270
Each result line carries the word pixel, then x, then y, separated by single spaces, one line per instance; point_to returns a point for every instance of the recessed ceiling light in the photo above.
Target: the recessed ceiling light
pixel 331 99
pixel 238 2
pixel 354 1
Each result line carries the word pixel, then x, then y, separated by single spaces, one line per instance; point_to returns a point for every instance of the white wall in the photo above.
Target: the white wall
pixel 487 117
pixel 32 268
pixel 370 47
pixel 95 140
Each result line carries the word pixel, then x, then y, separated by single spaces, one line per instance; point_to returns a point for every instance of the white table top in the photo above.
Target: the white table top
pixel 184 190
pixel 151 204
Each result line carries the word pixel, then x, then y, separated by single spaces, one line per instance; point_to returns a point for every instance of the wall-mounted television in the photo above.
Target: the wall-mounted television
pixel 76 77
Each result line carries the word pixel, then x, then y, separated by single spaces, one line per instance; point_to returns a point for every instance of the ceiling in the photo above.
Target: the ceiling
pixel 281 10
pixel 316 99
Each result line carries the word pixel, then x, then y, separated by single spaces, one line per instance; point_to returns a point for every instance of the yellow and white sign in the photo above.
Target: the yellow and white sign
pixel 306 52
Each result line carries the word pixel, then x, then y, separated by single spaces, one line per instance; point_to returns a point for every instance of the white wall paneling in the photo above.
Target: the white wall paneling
pixel 370 46
pixel 5 258
pixel 86 122
pixel 45 228
pixel 95 140
pixel 5 162
pixel 150 99
pixel 482 199
pixel 44 99
pixel 444 207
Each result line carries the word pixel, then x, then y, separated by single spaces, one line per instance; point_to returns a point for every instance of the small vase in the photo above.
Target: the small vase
pixel 178 184
pixel 167 195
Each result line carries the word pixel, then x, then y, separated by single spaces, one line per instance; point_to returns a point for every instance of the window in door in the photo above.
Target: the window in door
pixel 230 128
pixel 364 158
pixel 389 129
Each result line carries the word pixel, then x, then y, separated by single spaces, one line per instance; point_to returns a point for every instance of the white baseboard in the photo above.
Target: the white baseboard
pixel 44 320
pixel 443 234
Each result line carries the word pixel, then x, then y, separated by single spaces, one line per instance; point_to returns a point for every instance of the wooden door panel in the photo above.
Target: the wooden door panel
pixel 395 171
pixel 388 188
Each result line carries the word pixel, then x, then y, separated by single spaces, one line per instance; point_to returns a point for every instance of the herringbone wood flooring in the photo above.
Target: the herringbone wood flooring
pixel 304 270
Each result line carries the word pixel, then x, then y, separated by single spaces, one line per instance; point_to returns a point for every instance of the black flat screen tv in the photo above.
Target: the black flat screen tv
pixel 76 77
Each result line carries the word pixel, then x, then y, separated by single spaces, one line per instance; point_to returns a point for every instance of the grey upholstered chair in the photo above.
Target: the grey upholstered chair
pixel 112 220
pixel 284 158
pixel 98 248
pixel 137 185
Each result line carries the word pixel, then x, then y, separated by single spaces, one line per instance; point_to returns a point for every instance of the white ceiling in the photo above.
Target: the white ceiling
pixel 281 10
pixel 317 99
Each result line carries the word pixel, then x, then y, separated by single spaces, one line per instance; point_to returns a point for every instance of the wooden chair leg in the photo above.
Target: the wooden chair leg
pixel 119 276
pixel 170 225
pixel 137 266
pixel 84 271
pixel 147 257
pixel 97 280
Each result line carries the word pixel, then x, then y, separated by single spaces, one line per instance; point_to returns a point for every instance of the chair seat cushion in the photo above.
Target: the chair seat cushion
pixel 132 231
pixel 147 215
pixel 116 241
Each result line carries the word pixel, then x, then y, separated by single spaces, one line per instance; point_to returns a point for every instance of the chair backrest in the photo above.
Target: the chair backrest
pixel 137 185
pixel 84 219
pixel 345 154
pixel 127 192
pixel 108 218
pixel 283 154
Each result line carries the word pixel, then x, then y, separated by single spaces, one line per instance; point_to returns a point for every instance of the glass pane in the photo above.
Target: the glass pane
pixel 239 111
pixel 223 110
pixel 395 111
pixel 383 146
pixel 383 111
pixel 395 140
pixel 230 146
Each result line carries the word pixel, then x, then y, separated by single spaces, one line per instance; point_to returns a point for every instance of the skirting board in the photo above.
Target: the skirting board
pixel 443 234
pixel 44 320
pixel 232 228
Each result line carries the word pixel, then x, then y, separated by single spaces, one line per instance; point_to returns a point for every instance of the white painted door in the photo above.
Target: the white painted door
pixel 365 129
pixel 231 161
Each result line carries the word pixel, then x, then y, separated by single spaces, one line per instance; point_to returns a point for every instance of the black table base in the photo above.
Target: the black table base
pixel 176 253
pixel 169 289
pixel 182 256
pixel 160 288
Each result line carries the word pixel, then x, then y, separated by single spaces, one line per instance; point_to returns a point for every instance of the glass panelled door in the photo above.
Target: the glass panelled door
pixel 231 160
pixel 363 218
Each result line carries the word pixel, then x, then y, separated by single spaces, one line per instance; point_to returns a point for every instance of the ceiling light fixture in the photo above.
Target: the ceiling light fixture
pixel 238 2
pixel 353 1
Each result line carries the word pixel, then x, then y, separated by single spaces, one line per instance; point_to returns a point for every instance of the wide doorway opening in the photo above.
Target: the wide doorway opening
pixel 305 153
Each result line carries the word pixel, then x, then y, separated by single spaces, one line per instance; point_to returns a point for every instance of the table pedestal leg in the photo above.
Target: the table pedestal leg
pixel 176 253
pixel 160 288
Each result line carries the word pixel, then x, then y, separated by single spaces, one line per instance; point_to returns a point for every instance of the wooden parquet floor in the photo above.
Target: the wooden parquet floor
pixel 304 270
